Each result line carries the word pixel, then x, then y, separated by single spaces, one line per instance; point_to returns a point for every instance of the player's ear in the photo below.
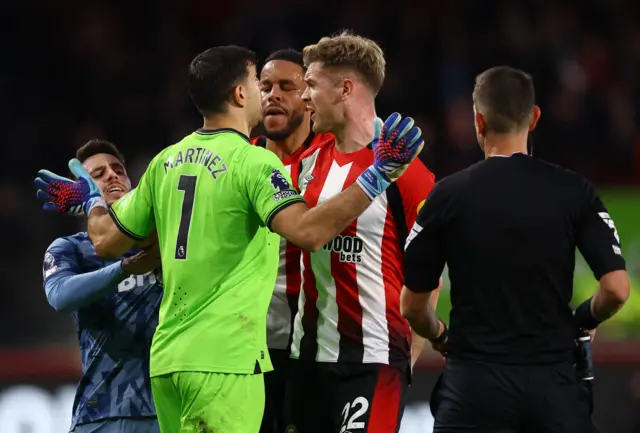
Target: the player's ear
pixel 239 95
pixel 347 88
pixel 535 116
pixel 481 123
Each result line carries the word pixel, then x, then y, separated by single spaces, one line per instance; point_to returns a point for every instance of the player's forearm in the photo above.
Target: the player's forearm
pixel 68 292
pixel 105 236
pixel 417 346
pixel 417 341
pixel 417 309
pixel 425 324
pixel 325 221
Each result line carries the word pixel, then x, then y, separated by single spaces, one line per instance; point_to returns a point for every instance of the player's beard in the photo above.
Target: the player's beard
pixel 111 198
pixel 293 124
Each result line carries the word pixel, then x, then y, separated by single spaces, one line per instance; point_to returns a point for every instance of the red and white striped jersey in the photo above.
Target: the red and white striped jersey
pixel 349 307
pixel 284 302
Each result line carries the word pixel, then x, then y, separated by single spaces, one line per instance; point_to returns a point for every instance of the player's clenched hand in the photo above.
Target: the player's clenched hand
pixel 67 196
pixel 145 261
pixel 396 143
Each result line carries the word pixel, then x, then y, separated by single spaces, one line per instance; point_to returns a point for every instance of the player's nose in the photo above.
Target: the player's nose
pixel 112 175
pixel 305 95
pixel 274 95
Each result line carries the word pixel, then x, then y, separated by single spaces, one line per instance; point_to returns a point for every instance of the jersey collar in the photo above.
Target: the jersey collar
pixel 506 156
pixel 203 131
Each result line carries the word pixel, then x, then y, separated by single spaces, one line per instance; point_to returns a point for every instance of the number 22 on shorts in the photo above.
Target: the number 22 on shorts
pixel 351 413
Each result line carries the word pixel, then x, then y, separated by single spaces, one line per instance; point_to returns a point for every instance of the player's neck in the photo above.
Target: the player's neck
pixel 226 121
pixel 505 144
pixel 357 130
pixel 289 145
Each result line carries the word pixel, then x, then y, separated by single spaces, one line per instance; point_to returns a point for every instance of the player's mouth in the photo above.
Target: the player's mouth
pixel 115 189
pixel 274 111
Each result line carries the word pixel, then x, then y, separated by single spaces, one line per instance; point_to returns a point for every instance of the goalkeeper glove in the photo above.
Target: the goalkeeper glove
pixel 395 144
pixel 67 196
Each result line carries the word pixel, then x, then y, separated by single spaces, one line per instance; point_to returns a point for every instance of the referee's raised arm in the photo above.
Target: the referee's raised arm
pixel 508 228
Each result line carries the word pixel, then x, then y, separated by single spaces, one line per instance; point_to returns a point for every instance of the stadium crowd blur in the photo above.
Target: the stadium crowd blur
pixel 117 70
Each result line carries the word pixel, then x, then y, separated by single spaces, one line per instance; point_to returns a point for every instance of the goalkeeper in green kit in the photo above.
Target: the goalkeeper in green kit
pixel 216 201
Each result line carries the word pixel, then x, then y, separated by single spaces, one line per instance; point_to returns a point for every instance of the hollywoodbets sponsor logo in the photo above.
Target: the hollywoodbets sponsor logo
pixel 349 248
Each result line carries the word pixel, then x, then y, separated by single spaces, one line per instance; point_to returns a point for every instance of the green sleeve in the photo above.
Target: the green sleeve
pixel 133 213
pixel 268 185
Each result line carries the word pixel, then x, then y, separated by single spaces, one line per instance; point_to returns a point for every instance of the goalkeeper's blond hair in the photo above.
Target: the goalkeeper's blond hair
pixel 351 52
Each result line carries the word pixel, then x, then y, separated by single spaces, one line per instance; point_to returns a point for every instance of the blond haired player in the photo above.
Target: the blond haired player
pixel 351 346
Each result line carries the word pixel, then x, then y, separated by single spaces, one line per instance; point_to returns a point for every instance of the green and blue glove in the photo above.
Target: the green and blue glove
pixel 396 143
pixel 67 196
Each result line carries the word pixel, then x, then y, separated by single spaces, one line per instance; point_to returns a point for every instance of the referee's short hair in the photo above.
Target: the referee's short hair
pixel 505 96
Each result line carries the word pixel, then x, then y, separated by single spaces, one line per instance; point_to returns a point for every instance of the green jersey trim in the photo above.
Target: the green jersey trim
pixel 122 228
pixel 203 131
pixel 280 208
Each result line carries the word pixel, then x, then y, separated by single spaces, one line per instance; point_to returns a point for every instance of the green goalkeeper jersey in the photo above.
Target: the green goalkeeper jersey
pixel 211 197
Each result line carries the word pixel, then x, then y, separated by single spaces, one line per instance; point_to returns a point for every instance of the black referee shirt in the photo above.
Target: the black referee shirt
pixel 508 228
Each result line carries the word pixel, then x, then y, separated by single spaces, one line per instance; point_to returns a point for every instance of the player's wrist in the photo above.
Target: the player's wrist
pixel 373 181
pixel 121 272
pixel 125 265
pixel 583 317
pixel 443 333
pixel 94 202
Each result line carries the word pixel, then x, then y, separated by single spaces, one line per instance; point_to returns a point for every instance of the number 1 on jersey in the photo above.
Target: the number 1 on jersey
pixel 187 183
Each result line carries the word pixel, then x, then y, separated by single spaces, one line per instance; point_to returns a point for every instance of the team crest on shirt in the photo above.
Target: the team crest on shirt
pixel 49 266
pixel 281 185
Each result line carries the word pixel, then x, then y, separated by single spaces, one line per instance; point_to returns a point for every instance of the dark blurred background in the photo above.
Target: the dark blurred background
pixel 116 70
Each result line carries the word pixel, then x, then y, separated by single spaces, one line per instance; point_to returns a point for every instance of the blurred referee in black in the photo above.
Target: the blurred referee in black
pixel 508 228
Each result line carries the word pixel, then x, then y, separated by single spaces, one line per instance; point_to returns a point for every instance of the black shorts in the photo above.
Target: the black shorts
pixel 344 398
pixel 274 389
pixel 478 397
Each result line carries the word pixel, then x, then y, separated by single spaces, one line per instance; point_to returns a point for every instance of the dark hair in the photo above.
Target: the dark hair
pixel 506 97
pixel 96 146
pixel 288 54
pixel 214 73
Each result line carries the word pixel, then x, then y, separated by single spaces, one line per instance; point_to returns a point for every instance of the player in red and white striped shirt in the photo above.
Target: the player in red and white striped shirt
pixel 288 134
pixel 351 346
